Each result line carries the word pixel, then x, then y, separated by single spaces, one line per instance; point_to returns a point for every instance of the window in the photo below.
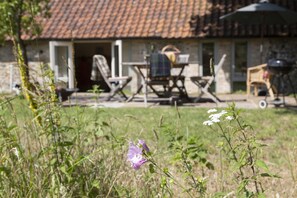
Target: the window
pixel 239 66
pixel 240 58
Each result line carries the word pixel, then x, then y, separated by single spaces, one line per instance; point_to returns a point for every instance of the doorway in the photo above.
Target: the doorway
pixel 72 62
pixel 84 53
pixel 207 54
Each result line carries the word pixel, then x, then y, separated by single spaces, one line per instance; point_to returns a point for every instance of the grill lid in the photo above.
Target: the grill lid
pixel 279 66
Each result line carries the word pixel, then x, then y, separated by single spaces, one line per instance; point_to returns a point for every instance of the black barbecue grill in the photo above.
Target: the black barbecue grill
pixel 279 70
pixel 279 66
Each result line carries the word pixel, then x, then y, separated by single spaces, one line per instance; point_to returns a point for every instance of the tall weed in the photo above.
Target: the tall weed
pixel 47 156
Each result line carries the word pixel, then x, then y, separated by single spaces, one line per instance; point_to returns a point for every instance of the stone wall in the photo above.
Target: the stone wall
pixel 134 51
pixel 9 76
pixel 9 72
pixel 285 49
pixel 223 79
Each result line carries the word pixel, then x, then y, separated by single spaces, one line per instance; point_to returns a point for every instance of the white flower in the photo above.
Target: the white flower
pixel 216 120
pixel 215 116
pixel 223 112
pixel 229 118
pixel 208 123
pixel 212 110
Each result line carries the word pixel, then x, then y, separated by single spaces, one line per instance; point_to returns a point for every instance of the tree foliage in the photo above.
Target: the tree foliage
pixel 22 17
pixel 19 20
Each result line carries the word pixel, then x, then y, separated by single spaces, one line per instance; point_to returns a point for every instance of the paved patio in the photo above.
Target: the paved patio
pixel 241 101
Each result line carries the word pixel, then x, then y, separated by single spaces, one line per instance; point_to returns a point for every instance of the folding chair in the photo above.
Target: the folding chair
pixel 204 83
pixel 116 84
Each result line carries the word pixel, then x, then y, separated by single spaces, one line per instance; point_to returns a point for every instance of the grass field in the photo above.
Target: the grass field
pixel 277 128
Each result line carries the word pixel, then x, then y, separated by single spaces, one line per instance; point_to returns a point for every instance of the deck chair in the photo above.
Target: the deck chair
pixel 204 83
pixel 116 84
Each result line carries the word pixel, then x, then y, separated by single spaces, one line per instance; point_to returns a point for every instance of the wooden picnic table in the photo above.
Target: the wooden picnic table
pixel 142 68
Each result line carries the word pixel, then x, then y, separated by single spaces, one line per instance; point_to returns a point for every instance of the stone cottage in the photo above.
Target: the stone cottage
pixel 123 31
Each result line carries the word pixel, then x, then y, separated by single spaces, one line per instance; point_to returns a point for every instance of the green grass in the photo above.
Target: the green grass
pixel 274 127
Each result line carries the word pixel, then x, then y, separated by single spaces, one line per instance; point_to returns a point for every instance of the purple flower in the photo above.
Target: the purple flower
pixel 135 154
pixel 144 146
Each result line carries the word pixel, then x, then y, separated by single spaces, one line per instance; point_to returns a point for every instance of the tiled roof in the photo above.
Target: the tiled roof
pixel 109 19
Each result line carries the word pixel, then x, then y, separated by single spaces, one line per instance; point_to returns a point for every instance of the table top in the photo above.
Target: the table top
pixel 144 64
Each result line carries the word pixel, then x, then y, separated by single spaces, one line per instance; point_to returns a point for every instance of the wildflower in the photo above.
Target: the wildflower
pixel 229 118
pixel 216 117
pixel 212 110
pixel 135 154
pixel 223 112
pixel 208 123
pixel 143 145
pixel 215 120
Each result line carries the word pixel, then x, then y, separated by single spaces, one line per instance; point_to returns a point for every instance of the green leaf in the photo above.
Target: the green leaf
pixel 165 170
pixel 179 138
pixel 269 175
pixel 202 154
pixel 193 155
pixel 63 169
pixel 209 165
pixel 65 143
pixel 163 182
pixel 96 184
pixel 261 164
pixel 53 161
pixel 261 195
pixel 151 168
pixel 242 159
pixel 4 169
pixel 242 186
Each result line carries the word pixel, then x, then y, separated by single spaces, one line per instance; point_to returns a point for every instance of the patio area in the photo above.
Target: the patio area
pixel 240 99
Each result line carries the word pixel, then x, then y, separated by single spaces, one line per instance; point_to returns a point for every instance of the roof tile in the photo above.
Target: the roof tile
pixel 81 19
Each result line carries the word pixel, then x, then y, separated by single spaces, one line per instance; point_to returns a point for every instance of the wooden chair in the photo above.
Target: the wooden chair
pixel 204 83
pixel 258 76
pixel 116 84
